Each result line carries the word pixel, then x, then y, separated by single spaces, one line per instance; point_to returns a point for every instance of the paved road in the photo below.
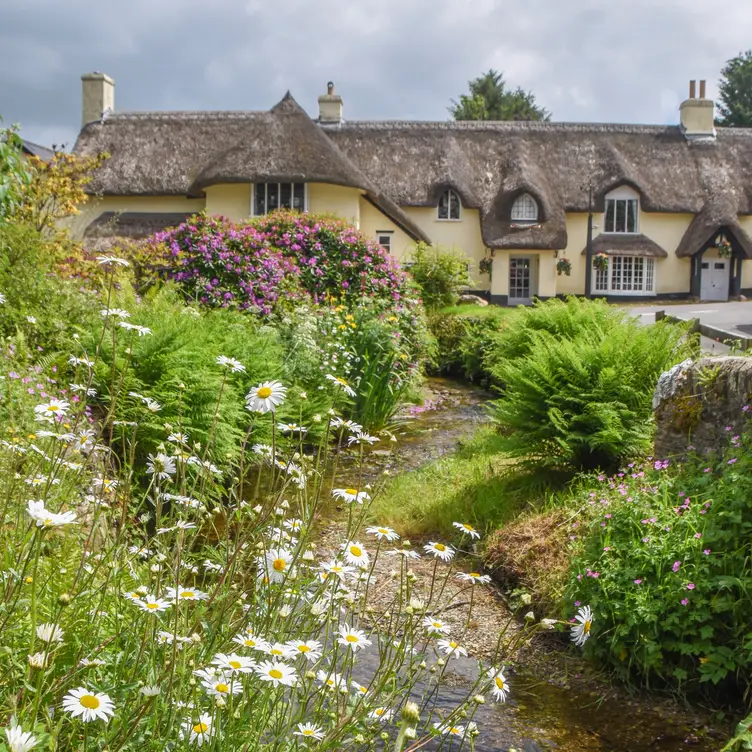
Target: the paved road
pixel 734 317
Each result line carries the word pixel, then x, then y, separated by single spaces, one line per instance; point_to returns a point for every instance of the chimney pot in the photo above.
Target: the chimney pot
pixel 692 89
pixel 330 88
pixel 702 89
pixel 696 115
pixel 98 96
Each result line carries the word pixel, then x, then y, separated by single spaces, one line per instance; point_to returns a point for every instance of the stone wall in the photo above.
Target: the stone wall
pixel 696 402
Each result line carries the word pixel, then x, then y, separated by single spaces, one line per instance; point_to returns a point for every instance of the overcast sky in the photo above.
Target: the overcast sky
pixel 585 60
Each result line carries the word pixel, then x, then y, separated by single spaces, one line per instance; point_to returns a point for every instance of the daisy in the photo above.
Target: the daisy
pixel 107 260
pixel 349 495
pixel 361 438
pixel 277 673
pixel 20 740
pixel 341 384
pixel 311 649
pixel 266 397
pixel 234 365
pixel 198 733
pixel 329 679
pixel 277 650
pixel 294 525
pixel 149 690
pixel 161 466
pixel 89 706
pixel 50 633
pixel 474 577
pixel 46 519
pixel 116 312
pixel 383 533
pixel 276 564
pixel 248 640
pixel 500 685
pixel 309 731
pixel 355 554
pixel 221 685
pixel 51 410
pixel 581 630
pixel 233 663
pixel 359 688
pixel 440 550
pixel 292 428
pixel 89 662
pixel 178 438
pixel 185 594
pixel 381 714
pixel 467 529
pixel 352 638
pixel 348 424
pixel 152 603
pixel 334 567
pixel 450 647
pixel 37 660
pixel 435 626
pixel 449 730
pixel 405 553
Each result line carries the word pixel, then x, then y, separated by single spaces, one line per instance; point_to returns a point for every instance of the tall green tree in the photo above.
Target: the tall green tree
pixel 490 99
pixel 735 106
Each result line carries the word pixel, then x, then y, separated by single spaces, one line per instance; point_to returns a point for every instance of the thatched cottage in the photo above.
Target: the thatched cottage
pixel 672 204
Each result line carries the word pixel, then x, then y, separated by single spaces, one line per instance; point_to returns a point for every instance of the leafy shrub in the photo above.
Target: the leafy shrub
pixel 440 273
pixel 665 564
pixel 585 401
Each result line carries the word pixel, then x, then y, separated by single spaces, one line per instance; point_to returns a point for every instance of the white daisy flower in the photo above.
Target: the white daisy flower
pixel 266 397
pixel 435 626
pixel 383 533
pixel 381 714
pixel 311 649
pixel 359 688
pixel 361 438
pixel 18 739
pixel 51 410
pixel 108 260
pixel 276 564
pixel 341 384
pixel 37 660
pixel 474 577
pixel 334 567
pixel 221 684
pixel 199 732
pixel 292 428
pixel 350 495
pixel 149 690
pixel 115 312
pixel 89 662
pixel 152 603
pixel 352 638
pixel 500 685
pixel 277 673
pixel 294 525
pixel 181 593
pixel 440 550
pixel 46 519
pixel 162 466
pixel 329 679
pixel 347 424
pixel 581 630
pixel 450 647
pixel 233 365
pixel 277 650
pixel 309 731
pixel 449 729
pixel 50 633
pixel 87 705
pixel 355 554
pixel 467 529
pixel 249 640
pixel 405 553
pixel 178 438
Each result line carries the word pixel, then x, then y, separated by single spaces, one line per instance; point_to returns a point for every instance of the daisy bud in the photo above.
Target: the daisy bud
pixel 529 616
pixel 236 715
pixel 220 701
pixel 423 664
pixel 258 509
pixel 526 598
pixel 285 611
pixel 155 568
pixel 191 682
pixel 411 713
pixel 432 669
pixel 410 733
pixel 64 599
pixel 406 544
pixel 308 556
pixel 359 738
pixel 384 736
pixel 441 662
pixel 479 699
pixel 285 504
pixel 37 660
pixel 316 418
pixel 409 610
pixel 181 385
pixel 548 623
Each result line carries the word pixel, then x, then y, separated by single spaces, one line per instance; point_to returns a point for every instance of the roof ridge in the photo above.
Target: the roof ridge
pixel 185 114
pixel 509 125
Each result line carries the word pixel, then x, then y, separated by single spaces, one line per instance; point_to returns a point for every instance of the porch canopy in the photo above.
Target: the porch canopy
pixel 626 245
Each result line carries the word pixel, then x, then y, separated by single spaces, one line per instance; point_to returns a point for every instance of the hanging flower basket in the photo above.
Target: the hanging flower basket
pixel 564 266
pixel 724 248
pixel 600 262
pixel 485 265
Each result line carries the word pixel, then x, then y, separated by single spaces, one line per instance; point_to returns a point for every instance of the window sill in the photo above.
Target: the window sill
pixel 617 293
pixel 447 219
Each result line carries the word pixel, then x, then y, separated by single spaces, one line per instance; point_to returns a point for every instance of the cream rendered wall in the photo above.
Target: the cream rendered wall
pixel 746 223
pixel 576 241
pixel 543 269
pixel 231 200
pixel 463 233
pixel 372 221
pixel 96 206
pixel 335 199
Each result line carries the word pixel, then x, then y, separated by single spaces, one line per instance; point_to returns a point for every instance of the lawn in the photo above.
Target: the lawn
pixel 489 311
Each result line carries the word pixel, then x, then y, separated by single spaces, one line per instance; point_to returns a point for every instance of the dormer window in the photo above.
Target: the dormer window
pixel 450 206
pixel 622 211
pixel 525 209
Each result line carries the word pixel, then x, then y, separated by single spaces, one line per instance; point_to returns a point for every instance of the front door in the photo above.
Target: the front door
pixel 714 278
pixel 520 280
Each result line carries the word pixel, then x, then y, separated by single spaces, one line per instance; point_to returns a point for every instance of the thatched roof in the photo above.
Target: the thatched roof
pixel 402 164
pixel 715 218
pixel 111 228
pixel 617 244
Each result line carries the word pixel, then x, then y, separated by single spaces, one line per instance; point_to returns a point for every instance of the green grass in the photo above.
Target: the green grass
pixel 476 485
pixel 489 311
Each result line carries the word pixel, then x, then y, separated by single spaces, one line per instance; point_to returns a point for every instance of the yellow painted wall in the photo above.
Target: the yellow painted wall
pixel 372 221
pixel 746 223
pixel 544 279
pixel 96 206
pixel 230 200
pixel 335 199
pixel 463 234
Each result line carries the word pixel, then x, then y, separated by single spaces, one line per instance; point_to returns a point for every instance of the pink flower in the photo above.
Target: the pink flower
pixel 690 586
pixel 638 582
pixel 676 566
pixel 707 552
pixel 698 535
pixel 685 601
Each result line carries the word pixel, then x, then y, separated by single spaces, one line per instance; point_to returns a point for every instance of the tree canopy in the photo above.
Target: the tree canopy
pixel 490 99
pixel 735 105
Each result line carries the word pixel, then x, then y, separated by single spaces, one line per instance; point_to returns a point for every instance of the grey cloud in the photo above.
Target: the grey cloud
pixel 623 60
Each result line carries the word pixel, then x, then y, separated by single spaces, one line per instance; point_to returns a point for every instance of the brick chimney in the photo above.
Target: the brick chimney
pixel 697 114
pixel 98 96
pixel 330 106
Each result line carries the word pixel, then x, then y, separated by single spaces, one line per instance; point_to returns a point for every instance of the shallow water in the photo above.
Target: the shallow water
pixel 538 714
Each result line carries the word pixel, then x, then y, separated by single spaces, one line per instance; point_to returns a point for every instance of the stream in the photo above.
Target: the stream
pixel 539 714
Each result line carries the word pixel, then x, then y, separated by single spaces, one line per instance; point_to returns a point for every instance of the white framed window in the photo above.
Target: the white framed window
pixel 622 211
pixel 525 209
pixel 384 239
pixel 450 206
pixel 270 196
pixel 626 275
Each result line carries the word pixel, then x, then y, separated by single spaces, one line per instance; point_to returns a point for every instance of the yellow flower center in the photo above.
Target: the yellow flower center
pixel 152 605
pixel 383 531
pixel 453 644
pixel 275 651
pixel 351 491
pixel 264 392
pixel 439 546
pixel 48 522
pixel 454 730
pixel 355 551
pixel 304 648
pixel 342 381
pixel 235 664
pixel 307 732
pixel 351 638
pixel 89 702
pixel 437 624
pixel 275 673
pixel 279 565
pixel 475 574
pixel 586 627
pixel 222 688
pixel 187 594
pixel 250 643
pixel 499 682
pixel 200 728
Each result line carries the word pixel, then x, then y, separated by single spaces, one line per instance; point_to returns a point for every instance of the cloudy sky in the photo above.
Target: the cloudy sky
pixel 586 60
